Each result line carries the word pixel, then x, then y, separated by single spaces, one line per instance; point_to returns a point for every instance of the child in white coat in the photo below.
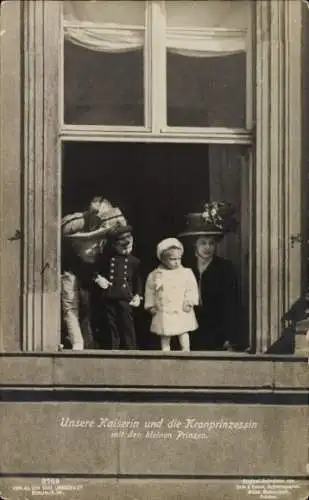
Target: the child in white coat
pixel 170 296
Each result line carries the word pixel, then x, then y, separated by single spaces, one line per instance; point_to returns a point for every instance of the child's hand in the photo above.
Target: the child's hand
pixel 153 311
pixel 102 282
pixel 187 306
pixel 136 301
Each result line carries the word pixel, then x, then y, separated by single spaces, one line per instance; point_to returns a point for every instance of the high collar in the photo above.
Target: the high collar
pixel 202 265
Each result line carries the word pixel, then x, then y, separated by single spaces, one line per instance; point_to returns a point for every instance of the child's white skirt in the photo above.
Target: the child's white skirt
pixel 173 323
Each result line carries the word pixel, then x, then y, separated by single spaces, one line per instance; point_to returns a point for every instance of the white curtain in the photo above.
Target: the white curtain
pixel 109 38
pixel 203 28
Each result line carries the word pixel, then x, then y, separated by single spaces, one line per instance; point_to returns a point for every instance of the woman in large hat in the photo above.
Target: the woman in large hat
pixel 83 236
pixel 219 305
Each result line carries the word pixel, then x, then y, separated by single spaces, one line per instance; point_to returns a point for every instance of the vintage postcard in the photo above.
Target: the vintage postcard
pixel 154 307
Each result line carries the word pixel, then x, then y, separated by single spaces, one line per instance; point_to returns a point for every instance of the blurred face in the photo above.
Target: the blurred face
pixel 124 244
pixel 205 247
pixel 171 258
pixel 88 250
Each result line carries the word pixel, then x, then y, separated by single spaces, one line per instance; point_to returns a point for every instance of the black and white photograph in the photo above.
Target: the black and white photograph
pixel 154 264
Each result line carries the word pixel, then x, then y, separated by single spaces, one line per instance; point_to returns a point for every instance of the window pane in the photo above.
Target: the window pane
pixel 105 11
pixel 206 63
pixel 104 63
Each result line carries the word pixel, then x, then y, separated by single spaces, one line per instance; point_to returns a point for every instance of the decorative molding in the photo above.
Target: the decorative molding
pixel 41 313
pixel 150 371
pixel 209 135
pixel 278 166
pixel 10 176
pixel 295 138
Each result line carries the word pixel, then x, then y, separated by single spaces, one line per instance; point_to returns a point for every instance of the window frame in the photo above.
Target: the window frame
pixel 155 105
pixel 158 131
pixel 41 162
pixel 147 99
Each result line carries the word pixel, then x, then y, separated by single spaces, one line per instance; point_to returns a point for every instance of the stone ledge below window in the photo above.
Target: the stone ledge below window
pixel 151 370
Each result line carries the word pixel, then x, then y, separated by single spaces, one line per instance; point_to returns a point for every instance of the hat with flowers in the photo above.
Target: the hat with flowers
pixel 216 219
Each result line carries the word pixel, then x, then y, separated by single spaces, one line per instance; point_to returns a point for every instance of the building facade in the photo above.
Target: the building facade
pixel 91 91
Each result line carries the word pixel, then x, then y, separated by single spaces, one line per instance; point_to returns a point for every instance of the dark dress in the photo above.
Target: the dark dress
pixel 218 314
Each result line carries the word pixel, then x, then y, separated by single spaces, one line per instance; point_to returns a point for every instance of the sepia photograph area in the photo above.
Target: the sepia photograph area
pixel 154 301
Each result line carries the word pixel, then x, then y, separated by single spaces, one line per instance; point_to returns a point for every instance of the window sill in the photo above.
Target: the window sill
pixel 183 134
pixel 153 354
pixel 149 371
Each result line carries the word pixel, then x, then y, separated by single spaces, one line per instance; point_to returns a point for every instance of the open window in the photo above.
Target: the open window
pixel 156 185
pixel 175 71
pixel 123 75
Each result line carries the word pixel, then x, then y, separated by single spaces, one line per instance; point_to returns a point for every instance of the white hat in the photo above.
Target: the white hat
pixel 168 243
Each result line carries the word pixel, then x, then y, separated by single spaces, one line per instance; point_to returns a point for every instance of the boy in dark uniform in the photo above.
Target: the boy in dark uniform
pixel 120 287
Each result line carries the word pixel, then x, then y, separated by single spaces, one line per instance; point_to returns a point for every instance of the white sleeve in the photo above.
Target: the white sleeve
pixel 150 292
pixel 192 291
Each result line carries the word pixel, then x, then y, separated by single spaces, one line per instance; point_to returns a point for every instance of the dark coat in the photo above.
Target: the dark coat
pixel 123 273
pixel 219 311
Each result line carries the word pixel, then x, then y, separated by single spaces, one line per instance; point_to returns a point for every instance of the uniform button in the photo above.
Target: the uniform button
pixel 124 286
